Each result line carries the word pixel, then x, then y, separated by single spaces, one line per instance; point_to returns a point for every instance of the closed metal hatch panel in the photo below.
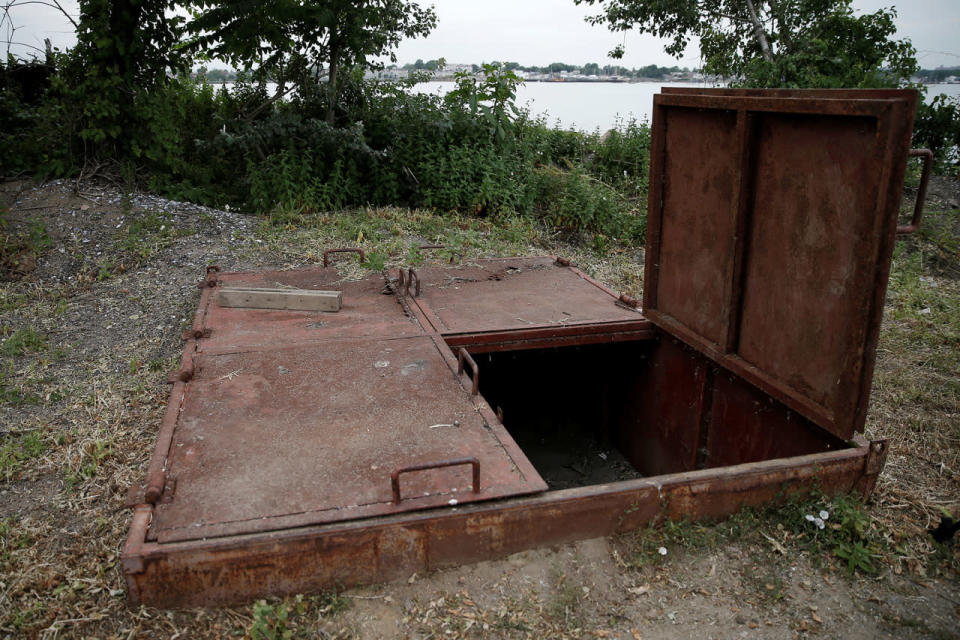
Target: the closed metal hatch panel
pixel 514 294
pixel 274 439
pixel 772 218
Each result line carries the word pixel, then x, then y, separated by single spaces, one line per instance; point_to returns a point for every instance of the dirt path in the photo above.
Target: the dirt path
pixel 99 286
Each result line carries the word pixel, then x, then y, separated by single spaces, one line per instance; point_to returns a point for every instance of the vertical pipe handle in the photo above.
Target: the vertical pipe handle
pixel 927 156
pixel 461 356
pixel 411 276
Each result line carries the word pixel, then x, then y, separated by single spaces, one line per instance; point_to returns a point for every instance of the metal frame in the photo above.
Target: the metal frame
pixel 236 569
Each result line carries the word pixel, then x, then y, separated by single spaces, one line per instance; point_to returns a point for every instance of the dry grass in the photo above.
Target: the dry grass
pixel 95 394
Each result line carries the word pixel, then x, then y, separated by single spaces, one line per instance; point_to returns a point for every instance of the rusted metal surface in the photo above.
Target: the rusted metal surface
pixel 456 462
pixel 927 157
pixel 229 570
pixel 463 356
pixel 411 277
pixel 302 451
pixel 210 280
pixel 366 313
pixel 514 294
pixel 326 255
pixel 577 335
pixel 772 220
pixel 282 438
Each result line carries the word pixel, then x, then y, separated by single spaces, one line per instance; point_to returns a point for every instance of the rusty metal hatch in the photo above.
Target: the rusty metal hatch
pixel 304 450
pixel 284 438
pixel 292 418
pixel 772 218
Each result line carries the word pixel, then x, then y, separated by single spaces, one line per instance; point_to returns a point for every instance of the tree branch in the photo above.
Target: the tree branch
pixel 759 32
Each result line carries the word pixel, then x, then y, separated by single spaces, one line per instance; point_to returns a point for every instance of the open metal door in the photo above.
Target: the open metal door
pixel 772 220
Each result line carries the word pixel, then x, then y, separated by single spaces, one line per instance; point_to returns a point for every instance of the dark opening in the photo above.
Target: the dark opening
pixel 559 406
pixel 600 413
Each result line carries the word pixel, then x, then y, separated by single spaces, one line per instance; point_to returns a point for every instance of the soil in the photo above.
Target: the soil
pixel 110 290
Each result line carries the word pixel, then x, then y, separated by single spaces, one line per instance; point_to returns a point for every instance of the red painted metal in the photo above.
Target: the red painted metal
pixel 601 333
pixel 771 227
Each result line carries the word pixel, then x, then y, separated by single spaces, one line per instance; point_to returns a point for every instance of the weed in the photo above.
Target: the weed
pixel 10 301
pixel 331 602
pixel 12 538
pixel 11 392
pixel 376 261
pixel 837 527
pixel 105 269
pixel 16 452
pixel 19 250
pixel 857 556
pixel 94 454
pixel 564 606
pixel 146 234
pixel 291 617
pixel 21 341
pixel 270 621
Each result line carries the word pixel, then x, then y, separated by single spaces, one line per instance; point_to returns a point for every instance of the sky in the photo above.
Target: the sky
pixel 538 32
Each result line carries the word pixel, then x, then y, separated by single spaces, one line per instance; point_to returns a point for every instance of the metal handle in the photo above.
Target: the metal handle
pixel 453 254
pixel 411 276
pixel 326 255
pixel 455 462
pixel 461 356
pixel 210 281
pixel 927 156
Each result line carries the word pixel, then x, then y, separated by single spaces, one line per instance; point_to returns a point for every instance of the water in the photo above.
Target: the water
pixel 581 105
pixel 599 105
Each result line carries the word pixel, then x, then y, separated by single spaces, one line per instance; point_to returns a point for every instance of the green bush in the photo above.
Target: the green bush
pixel 472 152
pixel 937 128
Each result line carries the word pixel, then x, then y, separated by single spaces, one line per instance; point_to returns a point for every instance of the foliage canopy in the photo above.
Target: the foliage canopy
pixel 292 42
pixel 773 43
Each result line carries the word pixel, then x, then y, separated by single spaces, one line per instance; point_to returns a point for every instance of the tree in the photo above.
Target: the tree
pixel 292 41
pixel 773 43
pixel 125 50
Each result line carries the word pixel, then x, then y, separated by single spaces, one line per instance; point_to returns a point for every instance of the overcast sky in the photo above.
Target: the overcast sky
pixel 538 32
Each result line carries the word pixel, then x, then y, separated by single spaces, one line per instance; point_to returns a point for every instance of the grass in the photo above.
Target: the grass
pixel 17 452
pixel 21 244
pixel 391 236
pixel 21 341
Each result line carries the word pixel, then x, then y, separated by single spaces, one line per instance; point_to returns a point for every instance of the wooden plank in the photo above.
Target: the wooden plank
pixel 288 299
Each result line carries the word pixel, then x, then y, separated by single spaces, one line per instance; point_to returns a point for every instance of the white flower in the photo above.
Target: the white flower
pixel 809 518
pixel 824 515
pixel 662 551
pixel 819 523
